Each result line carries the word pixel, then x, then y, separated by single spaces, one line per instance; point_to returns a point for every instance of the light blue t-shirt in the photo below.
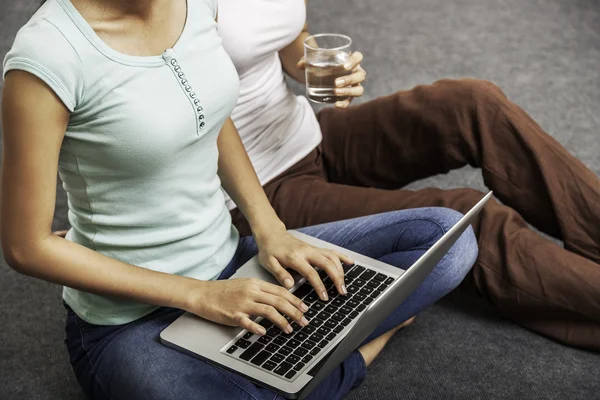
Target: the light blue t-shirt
pixel 139 158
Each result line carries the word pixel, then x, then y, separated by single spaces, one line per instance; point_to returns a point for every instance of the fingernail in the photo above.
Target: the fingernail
pixel 344 291
pixel 348 65
pixel 303 307
pixel 289 328
pixel 324 296
pixel 288 283
pixel 261 331
pixel 341 91
pixel 340 82
pixel 303 321
pixel 340 104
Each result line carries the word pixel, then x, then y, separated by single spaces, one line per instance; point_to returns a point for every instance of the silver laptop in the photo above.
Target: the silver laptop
pixel 293 365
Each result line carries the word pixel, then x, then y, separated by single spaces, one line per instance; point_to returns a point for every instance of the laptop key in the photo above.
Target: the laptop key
pixel 300 352
pixel 276 358
pixel 345 310
pixel 265 323
pixel 332 292
pixel 317 306
pixel 232 349
pixel 316 322
pixel 359 282
pixel 264 339
pixel 324 315
pixel 300 336
pixel 280 340
pixel 331 309
pixel 310 313
pixel 346 322
pixel 353 314
pixel 308 329
pixel 323 343
pixel 282 368
pixel 261 358
pixel 348 279
pixel 285 350
pixel 307 359
pixel 272 348
pixel 309 344
pixel 347 267
pixel 375 293
pixel 356 271
pixel 323 330
pixel 315 351
pixel 311 298
pixel 361 307
pixel 290 374
pixel 360 297
pixel 368 300
pixel 338 329
pixel 367 275
pixel 337 302
pixel 248 335
pixel 352 303
pixel 352 289
pixel 366 290
pixel 292 359
pixel 330 324
pixel 373 284
pixel 338 316
pixel 389 281
pixel 251 351
pixel 269 365
pixel 273 331
pixel 330 337
pixel 243 343
pixel 293 343
pixel 380 277
pixel 317 337
pixel 299 366
pixel 303 290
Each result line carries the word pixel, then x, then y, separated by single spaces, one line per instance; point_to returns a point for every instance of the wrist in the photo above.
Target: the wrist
pixel 189 295
pixel 264 228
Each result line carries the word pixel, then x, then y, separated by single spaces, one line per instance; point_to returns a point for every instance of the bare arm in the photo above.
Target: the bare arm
pixel 31 138
pixel 292 53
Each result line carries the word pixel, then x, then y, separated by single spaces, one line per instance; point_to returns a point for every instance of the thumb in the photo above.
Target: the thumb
pixel 301 64
pixel 280 273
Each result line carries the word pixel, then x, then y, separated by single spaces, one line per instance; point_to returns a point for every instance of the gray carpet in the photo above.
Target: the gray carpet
pixel 546 57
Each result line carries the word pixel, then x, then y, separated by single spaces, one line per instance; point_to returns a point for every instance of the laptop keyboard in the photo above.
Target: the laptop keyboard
pixel 286 355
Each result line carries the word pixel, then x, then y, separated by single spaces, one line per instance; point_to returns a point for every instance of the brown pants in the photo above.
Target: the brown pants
pixel 371 150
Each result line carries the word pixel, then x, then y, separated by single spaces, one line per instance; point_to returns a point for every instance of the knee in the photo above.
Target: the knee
pixel 470 92
pixel 455 265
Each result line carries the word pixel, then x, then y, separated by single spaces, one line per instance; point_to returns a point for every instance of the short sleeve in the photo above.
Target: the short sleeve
pixel 42 50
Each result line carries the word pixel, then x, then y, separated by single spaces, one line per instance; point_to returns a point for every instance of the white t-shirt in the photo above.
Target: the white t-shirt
pixel 277 127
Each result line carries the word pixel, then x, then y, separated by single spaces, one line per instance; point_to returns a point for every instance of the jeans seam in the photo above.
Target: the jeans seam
pixel 236 384
pixel 87 354
pixel 394 222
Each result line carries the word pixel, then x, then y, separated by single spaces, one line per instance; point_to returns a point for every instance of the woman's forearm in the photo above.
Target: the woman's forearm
pixel 60 261
pixel 241 183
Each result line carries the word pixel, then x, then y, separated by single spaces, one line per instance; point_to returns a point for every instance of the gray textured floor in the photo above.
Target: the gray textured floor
pixel 546 57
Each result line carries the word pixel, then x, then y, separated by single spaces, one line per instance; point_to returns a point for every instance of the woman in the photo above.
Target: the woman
pixel 352 162
pixel 143 142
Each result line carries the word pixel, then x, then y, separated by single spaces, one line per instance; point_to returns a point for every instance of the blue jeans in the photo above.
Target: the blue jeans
pixel 128 362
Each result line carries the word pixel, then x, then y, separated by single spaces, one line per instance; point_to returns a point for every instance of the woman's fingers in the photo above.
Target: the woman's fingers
pixel 353 91
pixel 301 64
pixel 301 264
pixel 331 264
pixel 245 322
pixel 358 76
pixel 354 59
pixel 290 297
pixel 343 103
pixel 282 305
pixel 269 312
pixel 343 258
pixel 280 273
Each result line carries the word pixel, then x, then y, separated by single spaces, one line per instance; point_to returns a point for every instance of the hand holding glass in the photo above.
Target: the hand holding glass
pixel 325 55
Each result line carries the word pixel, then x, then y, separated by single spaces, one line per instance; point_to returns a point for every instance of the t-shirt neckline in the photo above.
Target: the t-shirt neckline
pixel 100 45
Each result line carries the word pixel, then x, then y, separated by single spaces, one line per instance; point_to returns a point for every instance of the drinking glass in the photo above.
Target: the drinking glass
pixel 325 55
